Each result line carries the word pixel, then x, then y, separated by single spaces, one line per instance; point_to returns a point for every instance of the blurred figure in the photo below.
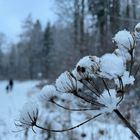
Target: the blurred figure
pixel 7 88
pixel 11 84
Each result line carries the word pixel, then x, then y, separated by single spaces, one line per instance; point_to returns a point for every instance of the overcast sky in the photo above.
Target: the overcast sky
pixel 14 12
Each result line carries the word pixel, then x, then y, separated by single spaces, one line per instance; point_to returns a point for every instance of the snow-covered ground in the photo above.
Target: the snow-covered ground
pixel 10 106
pixel 12 102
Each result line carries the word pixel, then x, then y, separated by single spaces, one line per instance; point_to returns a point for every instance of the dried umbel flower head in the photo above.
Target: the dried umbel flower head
pixel 126 79
pixel 110 100
pixel 67 83
pixel 137 31
pixel 111 66
pixel 49 93
pixel 126 43
pixel 137 28
pixel 124 54
pixel 99 83
pixel 86 67
pixel 124 39
pixel 28 116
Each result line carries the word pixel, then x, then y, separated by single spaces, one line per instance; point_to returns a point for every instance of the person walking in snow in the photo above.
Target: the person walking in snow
pixel 11 84
pixel 7 88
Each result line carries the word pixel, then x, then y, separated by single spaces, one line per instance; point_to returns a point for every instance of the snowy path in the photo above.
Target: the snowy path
pixel 10 106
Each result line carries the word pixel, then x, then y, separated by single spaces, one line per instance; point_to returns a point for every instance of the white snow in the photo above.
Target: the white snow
pixel 90 64
pixel 126 79
pixel 137 27
pixel 123 53
pixel 65 83
pixel 111 66
pixel 109 99
pixel 124 39
pixel 48 92
pixel 27 113
pixel 137 31
pixel 12 103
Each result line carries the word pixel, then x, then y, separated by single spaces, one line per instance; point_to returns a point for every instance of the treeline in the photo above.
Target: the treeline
pixel 84 27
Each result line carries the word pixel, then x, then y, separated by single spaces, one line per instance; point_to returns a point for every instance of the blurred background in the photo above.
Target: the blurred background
pixel 41 39
pixel 36 37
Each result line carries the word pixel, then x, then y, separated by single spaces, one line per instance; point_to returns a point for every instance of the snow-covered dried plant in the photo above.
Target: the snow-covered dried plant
pixel 28 116
pixel 48 93
pixel 66 83
pixel 137 31
pixel 97 81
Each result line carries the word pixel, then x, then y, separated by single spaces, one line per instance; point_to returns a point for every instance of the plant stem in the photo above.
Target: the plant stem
pixel 126 122
pixel 67 129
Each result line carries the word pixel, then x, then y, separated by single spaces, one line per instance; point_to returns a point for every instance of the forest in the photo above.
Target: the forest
pixel 77 72
pixel 84 27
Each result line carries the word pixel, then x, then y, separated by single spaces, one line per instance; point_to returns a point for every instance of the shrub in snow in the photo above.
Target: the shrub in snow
pixel 97 82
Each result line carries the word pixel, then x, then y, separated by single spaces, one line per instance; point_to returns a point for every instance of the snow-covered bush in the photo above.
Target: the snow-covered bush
pixel 97 82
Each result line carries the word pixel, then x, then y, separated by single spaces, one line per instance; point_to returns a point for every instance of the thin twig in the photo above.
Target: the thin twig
pixel 137 70
pixel 106 86
pixel 94 85
pixel 89 101
pixel 126 122
pixel 131 63
pixel 89 88
pixel 73 109
pixel 63 130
